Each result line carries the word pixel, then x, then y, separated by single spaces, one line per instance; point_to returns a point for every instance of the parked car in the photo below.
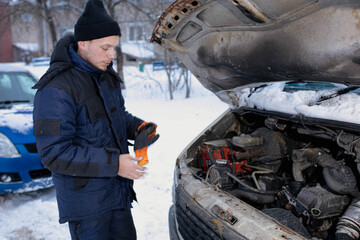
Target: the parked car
pixel 283 161
pixel 20 167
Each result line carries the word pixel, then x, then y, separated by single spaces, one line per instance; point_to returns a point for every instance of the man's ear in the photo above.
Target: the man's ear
pixel 81 45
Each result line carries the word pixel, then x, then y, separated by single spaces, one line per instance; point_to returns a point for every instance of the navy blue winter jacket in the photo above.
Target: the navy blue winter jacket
pixel 81 127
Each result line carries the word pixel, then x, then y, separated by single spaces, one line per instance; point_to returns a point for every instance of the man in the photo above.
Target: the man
pixel 82 127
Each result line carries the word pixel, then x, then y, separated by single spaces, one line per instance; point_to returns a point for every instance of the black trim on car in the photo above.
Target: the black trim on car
pixel 31 147
pixel 172 224
pixel 299 118
pixel 41 173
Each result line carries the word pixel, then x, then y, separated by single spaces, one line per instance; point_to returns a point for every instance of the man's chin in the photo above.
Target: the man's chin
pixel 102 67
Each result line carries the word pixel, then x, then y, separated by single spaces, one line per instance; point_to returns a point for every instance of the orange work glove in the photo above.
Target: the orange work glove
pixel 145 137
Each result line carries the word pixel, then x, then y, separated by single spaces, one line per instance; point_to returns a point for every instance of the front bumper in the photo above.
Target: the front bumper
pixel 201 211
pixel 188 220
pixel 172 224
pixel 26 173
pixel 20 187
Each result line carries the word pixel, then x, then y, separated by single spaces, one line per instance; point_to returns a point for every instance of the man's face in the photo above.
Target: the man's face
pixel 99 52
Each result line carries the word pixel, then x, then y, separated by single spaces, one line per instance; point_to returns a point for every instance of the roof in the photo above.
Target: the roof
pixel 141 50
pixel 8 67
pixel 32 47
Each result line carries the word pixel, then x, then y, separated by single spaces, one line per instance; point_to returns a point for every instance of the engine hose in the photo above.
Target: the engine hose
pixel 304 158
pixel 251 188
pixel 262 171
pixel 349 223
pixel 342 236
pixel 253 196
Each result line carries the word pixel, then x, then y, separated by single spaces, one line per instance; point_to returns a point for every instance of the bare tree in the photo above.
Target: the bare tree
pixel 45 11
pixel 177 75
pixel 47 14
pixel 143 12
pixel 141 9
pixel 187 79
pixel 111 5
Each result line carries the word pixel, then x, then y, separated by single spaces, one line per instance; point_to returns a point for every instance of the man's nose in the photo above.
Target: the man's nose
pixel 112 54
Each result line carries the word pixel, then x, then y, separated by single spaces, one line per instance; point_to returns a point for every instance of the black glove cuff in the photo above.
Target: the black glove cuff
pixel 132 129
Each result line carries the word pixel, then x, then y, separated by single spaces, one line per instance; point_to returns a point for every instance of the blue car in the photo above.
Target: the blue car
pixel 20 167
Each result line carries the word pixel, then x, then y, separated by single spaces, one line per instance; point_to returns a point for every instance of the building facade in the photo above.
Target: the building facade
pixel 35 23
pixel 6 53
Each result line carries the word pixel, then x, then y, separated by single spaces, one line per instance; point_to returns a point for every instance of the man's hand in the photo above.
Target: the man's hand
pixel 129 167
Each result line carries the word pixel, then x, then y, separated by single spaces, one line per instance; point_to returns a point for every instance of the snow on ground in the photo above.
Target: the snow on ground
pixel 34 216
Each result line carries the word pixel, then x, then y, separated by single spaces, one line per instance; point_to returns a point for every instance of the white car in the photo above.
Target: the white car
pixel 283 161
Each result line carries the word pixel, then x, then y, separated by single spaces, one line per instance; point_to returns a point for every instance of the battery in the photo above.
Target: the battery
pixel 209 154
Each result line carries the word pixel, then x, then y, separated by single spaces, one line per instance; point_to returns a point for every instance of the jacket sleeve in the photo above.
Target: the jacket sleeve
pixel 132 122
pixel 54 128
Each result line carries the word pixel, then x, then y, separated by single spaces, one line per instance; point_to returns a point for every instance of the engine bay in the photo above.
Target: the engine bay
pixel 303 174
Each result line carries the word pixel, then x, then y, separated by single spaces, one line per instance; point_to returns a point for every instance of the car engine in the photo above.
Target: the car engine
pixel 308 170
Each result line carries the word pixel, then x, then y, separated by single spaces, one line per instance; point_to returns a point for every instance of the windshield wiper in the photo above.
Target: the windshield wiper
pixel 254 89
pixel 14 101
pixel 335 94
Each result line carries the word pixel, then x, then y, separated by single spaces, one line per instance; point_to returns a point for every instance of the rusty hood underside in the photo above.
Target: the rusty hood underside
pixel 232 43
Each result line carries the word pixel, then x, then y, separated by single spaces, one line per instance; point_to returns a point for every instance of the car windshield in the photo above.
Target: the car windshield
pixel 315 86
pixel 330 90
pixel 15 87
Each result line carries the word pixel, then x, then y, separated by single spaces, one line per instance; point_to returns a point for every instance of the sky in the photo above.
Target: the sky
pixel 34 215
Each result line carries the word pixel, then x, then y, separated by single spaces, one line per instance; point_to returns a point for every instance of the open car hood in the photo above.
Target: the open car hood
pixel 232 43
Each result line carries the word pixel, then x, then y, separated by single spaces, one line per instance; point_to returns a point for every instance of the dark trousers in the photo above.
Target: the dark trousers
pixel 113 225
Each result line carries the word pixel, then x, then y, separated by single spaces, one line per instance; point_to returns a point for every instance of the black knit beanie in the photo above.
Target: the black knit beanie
pixel 95 23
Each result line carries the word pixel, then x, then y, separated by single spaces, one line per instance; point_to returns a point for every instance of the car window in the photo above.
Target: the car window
pixel 5 81
pixel 15 87
pixel 26 83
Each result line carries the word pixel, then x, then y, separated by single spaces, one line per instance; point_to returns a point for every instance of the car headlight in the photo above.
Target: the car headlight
pixel 7 148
